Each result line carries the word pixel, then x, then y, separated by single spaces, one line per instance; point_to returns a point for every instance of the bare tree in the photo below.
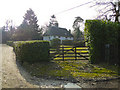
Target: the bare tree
pixel 108 10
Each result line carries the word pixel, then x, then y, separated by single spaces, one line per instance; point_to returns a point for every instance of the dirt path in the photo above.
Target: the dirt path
pixel 11 77
pixel 14 76
pixel 0 66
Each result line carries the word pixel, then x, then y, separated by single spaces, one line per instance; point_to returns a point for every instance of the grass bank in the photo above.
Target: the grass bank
pixel 72 69
pixel 68 70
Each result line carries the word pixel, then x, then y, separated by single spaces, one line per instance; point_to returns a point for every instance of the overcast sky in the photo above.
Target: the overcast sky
pixel 16 9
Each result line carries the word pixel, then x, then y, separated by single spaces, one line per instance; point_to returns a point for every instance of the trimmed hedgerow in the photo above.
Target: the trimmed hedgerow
pixel 94 32
pixel 55 43
pixel 32 51
pixel 67 42
pixel 79 43
pixel 102 37
pixel 10 43
pixel 119 43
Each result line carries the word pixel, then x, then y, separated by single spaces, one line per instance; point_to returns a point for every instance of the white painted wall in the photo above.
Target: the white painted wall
pixel 48 38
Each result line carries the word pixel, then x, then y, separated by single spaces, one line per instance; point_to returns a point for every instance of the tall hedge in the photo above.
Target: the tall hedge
pixel 55 43
pixel 119 42
pixel 78 43
pixel 10 43
pixel 32 51
pixel 102 35
pixel 67 42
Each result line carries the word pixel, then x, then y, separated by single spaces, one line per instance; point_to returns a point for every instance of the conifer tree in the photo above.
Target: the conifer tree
pixel 78 35
pixel 29 27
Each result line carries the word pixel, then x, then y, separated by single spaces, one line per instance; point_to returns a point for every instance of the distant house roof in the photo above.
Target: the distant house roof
pixel 56 31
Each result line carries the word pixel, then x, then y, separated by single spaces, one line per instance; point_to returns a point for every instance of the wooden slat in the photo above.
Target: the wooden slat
pixel 65 47
pixel 74 56
pixel 55 53
pixel 82 49
pixel 74 51
pixel 68 59
pixel 79 53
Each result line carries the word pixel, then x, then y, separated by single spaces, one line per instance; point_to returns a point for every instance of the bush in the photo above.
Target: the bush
pixel 10 43
pixel 55 43
pixel 67 42
pixel 32 51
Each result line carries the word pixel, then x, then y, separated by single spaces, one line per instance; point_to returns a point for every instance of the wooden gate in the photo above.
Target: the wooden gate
pixel 70 53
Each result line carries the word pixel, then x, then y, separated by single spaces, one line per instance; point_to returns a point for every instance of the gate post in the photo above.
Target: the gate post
pixel 63 52
pixel 75 54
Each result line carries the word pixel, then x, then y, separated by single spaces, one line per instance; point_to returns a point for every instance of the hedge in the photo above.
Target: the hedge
pixel 55 43
pixel 32 51
pixel 79 43
pixel 102 37
pixel 10 43
pixel 67 42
